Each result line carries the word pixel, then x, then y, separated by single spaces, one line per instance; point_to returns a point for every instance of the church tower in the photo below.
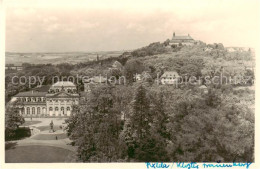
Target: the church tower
pixel 173 35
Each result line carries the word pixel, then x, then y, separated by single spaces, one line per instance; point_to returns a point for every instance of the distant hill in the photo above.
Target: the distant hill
pixel 56 58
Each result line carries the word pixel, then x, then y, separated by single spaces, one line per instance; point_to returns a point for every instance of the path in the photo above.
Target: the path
pixel 61 143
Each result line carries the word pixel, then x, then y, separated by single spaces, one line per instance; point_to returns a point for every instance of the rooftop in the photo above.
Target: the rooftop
pixel 64 84
pixel 183 37
pixel 31 94
pixel 170 74
pixel 95 79
pixel 203 87
pixel 43 88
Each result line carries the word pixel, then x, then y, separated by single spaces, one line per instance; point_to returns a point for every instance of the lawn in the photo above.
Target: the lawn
pixel 49 136
pixel 38 154
pixel 27 123
pixel 43 128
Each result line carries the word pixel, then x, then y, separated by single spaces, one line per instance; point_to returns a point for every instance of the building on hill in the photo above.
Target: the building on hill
pixel 57 101
pixel 184 40
pixel 170 77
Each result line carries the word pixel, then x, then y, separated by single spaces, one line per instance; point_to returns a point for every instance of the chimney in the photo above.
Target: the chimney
pixel 173 34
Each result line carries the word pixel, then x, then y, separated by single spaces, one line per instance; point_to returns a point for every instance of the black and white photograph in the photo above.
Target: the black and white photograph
pixel 163 84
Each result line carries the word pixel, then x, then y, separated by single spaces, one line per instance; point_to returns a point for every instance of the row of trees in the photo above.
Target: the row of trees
pixel 161 124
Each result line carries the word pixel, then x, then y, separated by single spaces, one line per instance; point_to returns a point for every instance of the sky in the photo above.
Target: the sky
pixel 113 25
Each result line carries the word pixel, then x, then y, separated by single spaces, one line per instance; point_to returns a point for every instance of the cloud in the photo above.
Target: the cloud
pixel 53 27
pixel 136 27
pixel 88 25
pixel 23 12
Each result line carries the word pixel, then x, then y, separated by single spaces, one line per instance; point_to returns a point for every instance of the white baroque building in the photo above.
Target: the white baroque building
pixel 57 101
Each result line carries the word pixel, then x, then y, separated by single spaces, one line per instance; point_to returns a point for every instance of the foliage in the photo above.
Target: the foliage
pixel 131 68
pixel 13 119
pixel 95 129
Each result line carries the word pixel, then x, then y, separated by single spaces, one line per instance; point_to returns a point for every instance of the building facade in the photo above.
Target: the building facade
pixel 56 102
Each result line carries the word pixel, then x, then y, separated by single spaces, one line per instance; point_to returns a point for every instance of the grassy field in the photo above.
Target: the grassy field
pixel 38 154
pixel 49 136
pixel 43 128
pixel 27 123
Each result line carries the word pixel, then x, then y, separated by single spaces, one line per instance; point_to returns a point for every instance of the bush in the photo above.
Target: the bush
pixel 17 134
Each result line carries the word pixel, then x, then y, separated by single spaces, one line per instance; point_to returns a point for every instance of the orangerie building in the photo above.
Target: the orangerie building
pixel 56 101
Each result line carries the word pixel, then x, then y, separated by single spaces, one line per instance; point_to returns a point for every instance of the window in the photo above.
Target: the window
pixel 68 108
pixel 28 110
pixel 38 110
pixel 43 109
pixel 56 109
pixel 39 99
pixel 29 99
pixel 33 110
pixel 50 109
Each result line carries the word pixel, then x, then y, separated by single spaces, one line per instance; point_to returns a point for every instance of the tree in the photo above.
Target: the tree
pixel 160 117
pixel 13 119
pixel 95 127
pixel 141 115
pixel 167 42
pixel 142 135
pixel 131 68
pixel 190 70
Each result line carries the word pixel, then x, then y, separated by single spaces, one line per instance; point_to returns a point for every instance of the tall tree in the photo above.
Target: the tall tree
pixel 141 115
pixel 13 118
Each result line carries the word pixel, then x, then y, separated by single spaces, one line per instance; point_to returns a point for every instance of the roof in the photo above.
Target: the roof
pixel 182 37
pixel 64 84
pixel 31 94
pixel 96 79
pixel 62 95
pixel 43 88
pixel 170 74
pixel 203 87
